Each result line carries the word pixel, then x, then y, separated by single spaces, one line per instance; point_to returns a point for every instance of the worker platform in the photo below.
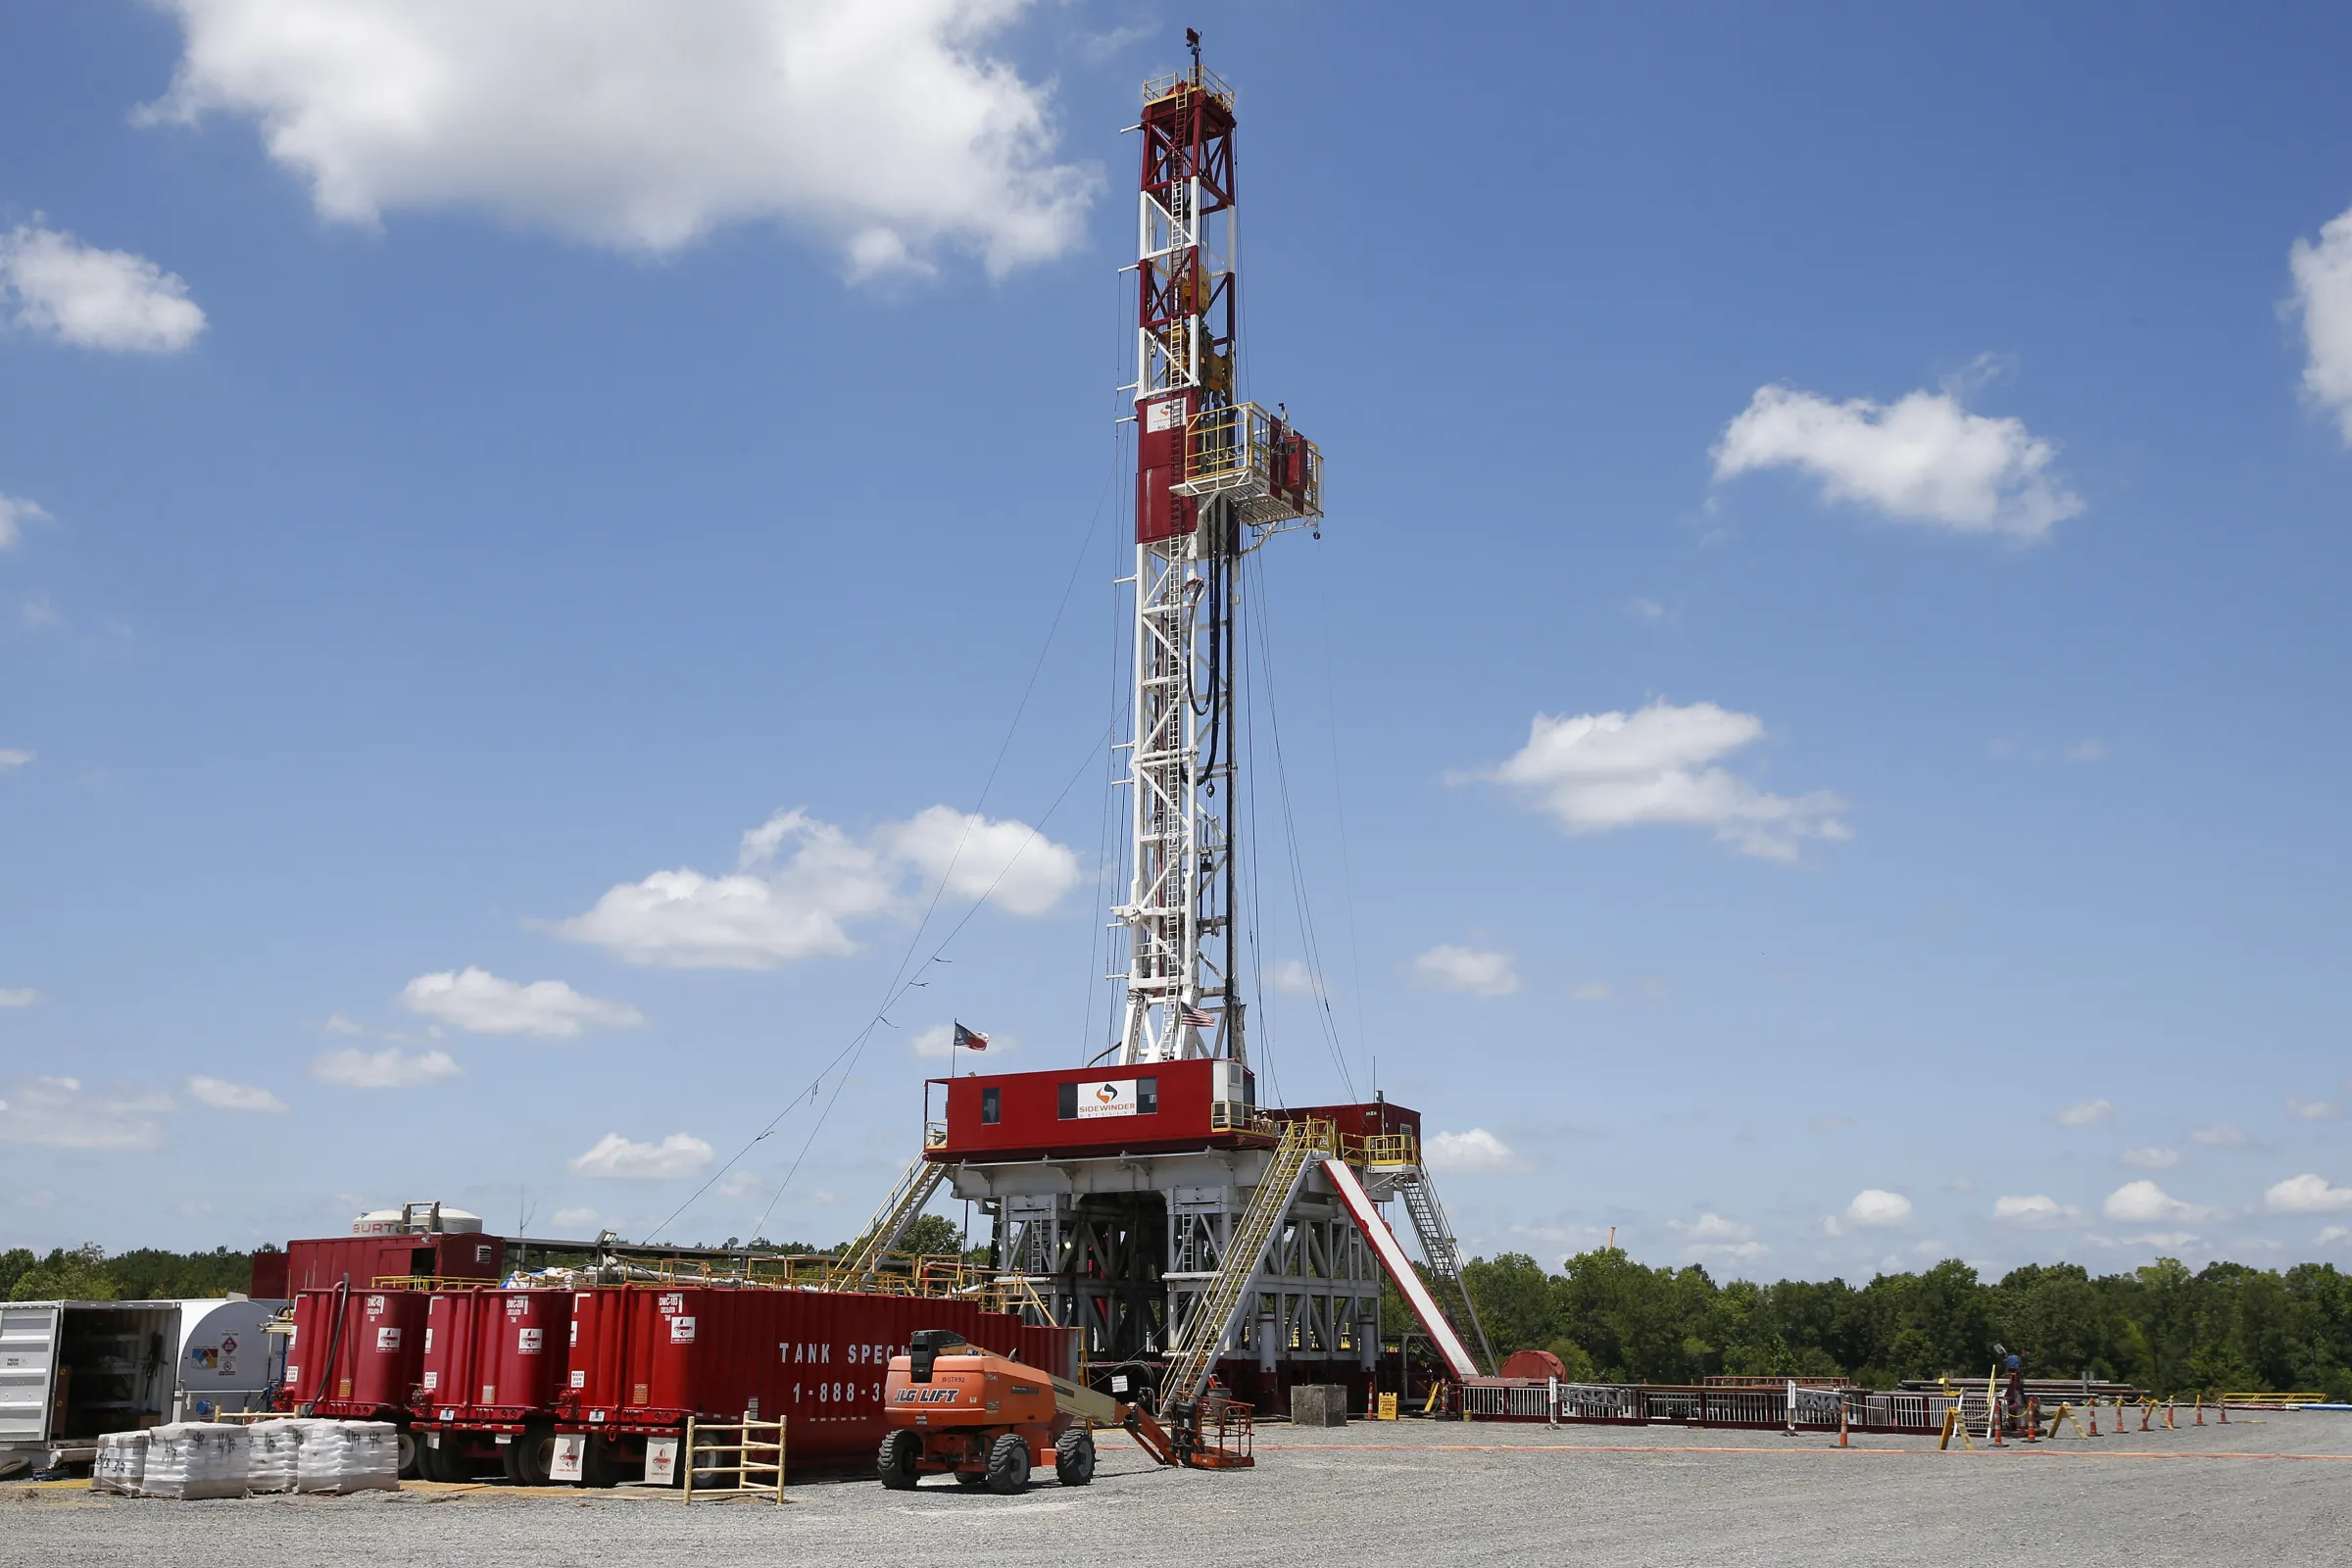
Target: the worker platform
pixel 1163 1211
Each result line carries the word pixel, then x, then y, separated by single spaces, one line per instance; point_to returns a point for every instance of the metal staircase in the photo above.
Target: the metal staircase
pixel 1445 1257
pixel 1303 1147
pixel 906 1200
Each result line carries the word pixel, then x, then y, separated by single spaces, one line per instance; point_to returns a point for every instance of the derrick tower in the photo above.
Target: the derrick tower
pixel 1215 478
pixel 1156 1204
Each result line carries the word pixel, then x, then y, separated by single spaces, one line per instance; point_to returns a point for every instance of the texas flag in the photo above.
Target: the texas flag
pixel 970 1038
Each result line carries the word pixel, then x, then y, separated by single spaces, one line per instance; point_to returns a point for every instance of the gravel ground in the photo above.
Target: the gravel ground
pixel 2274 1490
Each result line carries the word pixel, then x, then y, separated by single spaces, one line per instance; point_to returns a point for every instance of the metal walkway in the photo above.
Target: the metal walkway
pixel 1400 1270
pixel 1445 1257
pixel 906 1200
pixel 1219 1307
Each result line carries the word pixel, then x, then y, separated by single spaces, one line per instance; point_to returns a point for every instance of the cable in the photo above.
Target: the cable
pixel 1302 904
pixel 841 1081
pixel 899 983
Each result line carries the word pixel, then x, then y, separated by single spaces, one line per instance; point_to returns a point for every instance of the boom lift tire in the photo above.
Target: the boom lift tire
pixel 895 1464
pixel 1074 1457
pixel 1009 1465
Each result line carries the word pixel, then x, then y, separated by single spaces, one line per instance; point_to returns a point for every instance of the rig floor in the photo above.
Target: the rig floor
pixel 1416 1492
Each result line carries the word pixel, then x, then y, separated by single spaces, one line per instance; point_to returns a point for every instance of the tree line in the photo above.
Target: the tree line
pixel 144 1274
pixel 2165 1328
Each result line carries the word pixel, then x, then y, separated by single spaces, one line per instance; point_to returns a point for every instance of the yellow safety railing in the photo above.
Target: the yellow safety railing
pixel 740 1457
pixel 2270 1401
pixel 1235 448
pixel 1197 80
pixel 1384 1149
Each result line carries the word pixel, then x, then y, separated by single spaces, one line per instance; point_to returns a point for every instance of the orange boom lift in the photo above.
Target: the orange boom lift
pixel 954 1409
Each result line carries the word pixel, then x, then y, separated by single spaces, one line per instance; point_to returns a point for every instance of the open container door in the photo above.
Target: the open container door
pixel 29 1334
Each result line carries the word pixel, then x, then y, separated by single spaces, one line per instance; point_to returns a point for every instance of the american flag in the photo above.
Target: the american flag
pixel 970 1038
pixel 1190 1014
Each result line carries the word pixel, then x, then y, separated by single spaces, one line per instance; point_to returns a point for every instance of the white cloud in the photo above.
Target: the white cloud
pixel 2323 276
pixel 1598 771
pixel 575 1217
pixel 2037 1209
pixel 221 1095
pixel 2307 1195
pixel 2222 1134
pixel 2332 1233
pixel 778 908
pixel 1649 609
pixel 2153 1158
pixel 1590 991
pixel 678 1154
pixel 1447 967
pixel 60 1113
pixel 337 1024
pixel 1712 1235
pixel 479 1000
pixel 389 1069
pixel 1292 979
pixel 1474 1152
pixel 1923 459
pixel 2313 1110
pixel 15 513
pixel 2088 750
pixel 11 759
pixel 18 997
pixel 2143 1202
pixel 1876 1208
pixel 2089 1113
pixel 642 125
pixel 1009 864
pixel 94 299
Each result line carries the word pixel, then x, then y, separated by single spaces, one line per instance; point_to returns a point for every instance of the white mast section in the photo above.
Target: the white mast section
pixel 1215 478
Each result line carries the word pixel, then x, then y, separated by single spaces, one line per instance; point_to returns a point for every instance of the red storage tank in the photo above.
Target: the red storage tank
pixel 523 1351
pixel 598 1342
pixel 309 1373
pixel 450 1337
pixel 387 1348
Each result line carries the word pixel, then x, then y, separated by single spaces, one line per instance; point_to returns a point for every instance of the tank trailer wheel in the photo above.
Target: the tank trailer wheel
pixel 895 1461
pixel 412 1447
pixel 1009 1465
pixel 1074 1457
pixel 530 1459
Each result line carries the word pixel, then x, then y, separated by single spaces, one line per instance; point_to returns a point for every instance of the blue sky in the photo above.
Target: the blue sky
pixel 1812 732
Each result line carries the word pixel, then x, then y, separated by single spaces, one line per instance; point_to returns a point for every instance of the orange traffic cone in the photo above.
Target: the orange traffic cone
pixel 2224 1407
pixel 1993 1421
pixel 2200 1409
pixel 1841 1442
pixel 2094 1418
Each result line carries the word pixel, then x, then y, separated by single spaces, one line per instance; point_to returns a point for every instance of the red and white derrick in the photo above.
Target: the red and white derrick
pixel 1215 478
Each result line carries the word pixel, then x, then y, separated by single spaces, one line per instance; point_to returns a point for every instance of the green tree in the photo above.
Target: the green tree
pixel 1514 1300
pixel 76 1276
pixel 931 1234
